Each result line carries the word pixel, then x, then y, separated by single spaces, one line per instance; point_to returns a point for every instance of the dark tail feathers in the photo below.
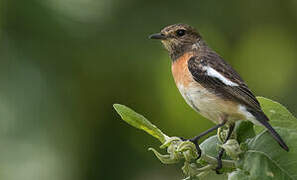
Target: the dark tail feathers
pixel 263 119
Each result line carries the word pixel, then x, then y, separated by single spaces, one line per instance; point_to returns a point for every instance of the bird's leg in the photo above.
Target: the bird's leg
pixel 196 138
pixel 221 152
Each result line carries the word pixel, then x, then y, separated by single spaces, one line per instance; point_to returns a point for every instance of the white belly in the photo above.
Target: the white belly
pixel 209 105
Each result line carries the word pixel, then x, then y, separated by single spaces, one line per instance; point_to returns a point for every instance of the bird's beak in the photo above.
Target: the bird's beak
pixel 157 36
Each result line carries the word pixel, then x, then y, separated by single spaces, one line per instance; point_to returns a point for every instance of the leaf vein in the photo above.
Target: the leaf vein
pixel 274 162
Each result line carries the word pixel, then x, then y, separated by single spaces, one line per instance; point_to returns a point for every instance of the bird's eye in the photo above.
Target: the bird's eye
pixel 180 32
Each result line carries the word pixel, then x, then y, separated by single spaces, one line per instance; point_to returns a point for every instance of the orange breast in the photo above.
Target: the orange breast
pixel 207 103
pixel 180 70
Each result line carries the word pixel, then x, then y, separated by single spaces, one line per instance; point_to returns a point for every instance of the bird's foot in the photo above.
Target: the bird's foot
pixel 219 166
pixel 194 141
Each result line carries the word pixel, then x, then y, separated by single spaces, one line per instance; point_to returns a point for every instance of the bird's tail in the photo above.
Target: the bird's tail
pixel 263 119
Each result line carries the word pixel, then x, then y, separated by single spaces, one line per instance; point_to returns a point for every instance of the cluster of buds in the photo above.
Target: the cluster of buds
pixel 180 150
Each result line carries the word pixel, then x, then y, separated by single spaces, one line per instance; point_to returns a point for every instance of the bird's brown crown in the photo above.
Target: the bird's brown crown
pixel 177 38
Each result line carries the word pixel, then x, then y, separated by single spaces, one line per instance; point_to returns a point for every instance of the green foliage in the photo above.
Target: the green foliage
pixel 279 115
pixel 244 130
pixel 257 157
pixel 264 157
pixel 138 121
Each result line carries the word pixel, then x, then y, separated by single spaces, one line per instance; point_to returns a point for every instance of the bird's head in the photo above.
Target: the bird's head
pixel 177 37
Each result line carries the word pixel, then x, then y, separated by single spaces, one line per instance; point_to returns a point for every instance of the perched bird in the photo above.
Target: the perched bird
pixel 209 84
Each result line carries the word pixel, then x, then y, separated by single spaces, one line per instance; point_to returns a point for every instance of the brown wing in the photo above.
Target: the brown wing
pixel 240 93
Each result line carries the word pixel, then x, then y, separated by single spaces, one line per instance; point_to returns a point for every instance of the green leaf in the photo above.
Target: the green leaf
pixel 278 115
pixel 238 175
pixel 265 159
pixel 210 146
pixel 213 176
pixel 138 121
pixel 244 130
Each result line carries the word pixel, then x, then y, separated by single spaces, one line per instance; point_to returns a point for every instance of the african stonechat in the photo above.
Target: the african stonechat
pixel 209 84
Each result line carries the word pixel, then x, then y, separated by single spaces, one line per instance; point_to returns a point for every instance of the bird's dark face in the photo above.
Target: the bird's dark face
pixel 177 37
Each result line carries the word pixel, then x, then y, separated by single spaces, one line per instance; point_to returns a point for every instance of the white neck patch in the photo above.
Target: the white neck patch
pixel 196 45
pixel 213 73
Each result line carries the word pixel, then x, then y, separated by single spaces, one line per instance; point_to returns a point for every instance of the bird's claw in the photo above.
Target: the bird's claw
pixel 197 148
pixel 194 141
pixel 219 166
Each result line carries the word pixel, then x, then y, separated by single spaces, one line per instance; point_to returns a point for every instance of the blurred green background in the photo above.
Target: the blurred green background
pixel 63 63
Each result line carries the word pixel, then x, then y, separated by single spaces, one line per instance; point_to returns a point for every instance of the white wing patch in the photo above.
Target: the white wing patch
pixel 242 110
pixel 213 73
